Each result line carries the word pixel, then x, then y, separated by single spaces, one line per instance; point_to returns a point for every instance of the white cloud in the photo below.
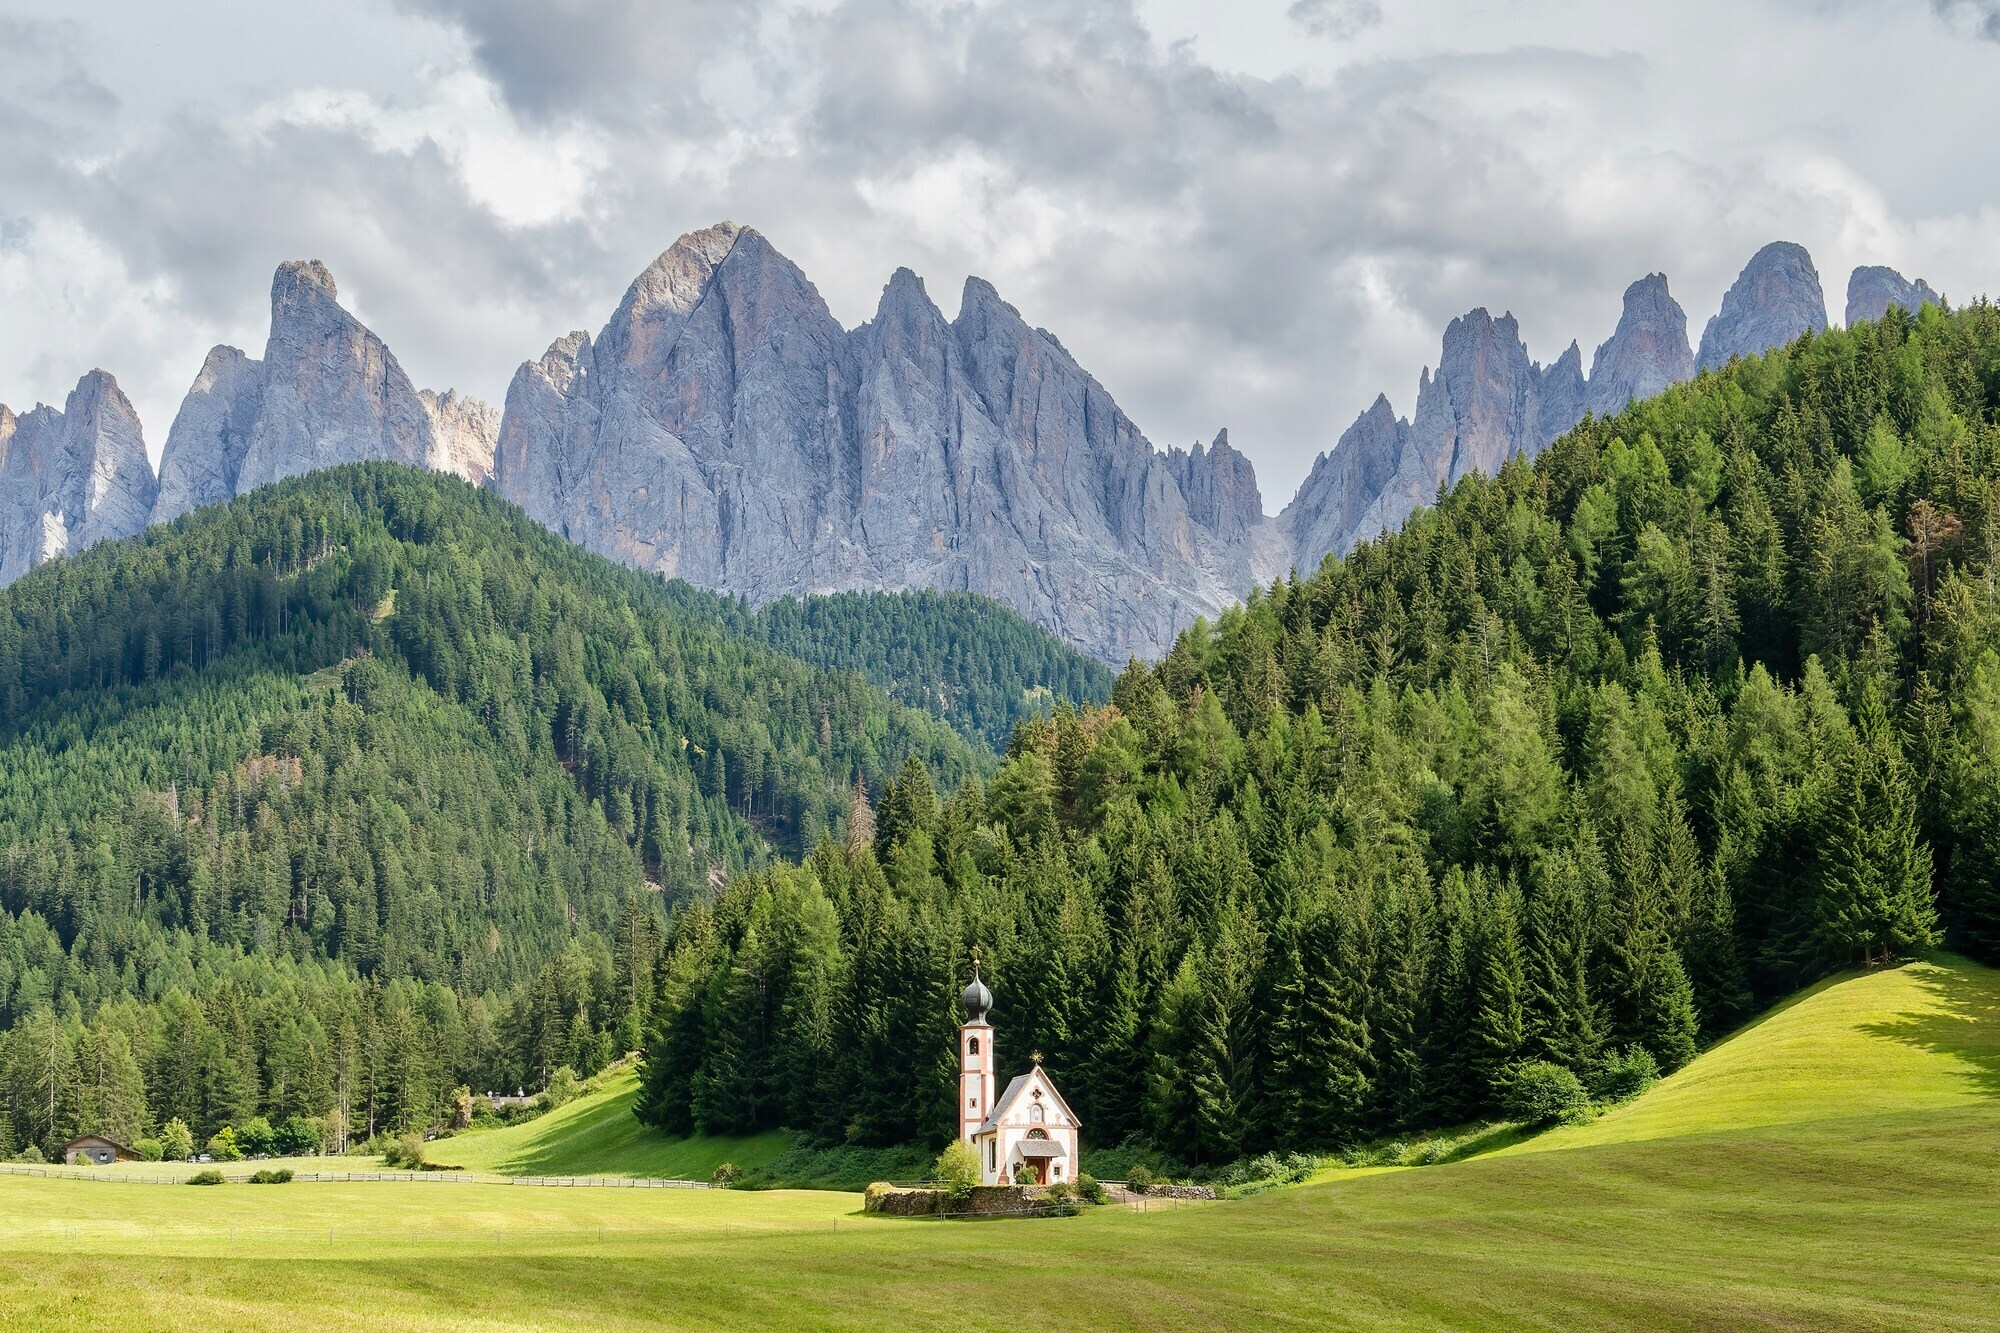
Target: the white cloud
pixel 1255 215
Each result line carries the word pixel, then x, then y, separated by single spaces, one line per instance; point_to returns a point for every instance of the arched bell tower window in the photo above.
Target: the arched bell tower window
pixel 973 1048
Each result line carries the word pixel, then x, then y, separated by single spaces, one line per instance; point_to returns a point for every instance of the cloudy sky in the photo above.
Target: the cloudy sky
pixel 1253 214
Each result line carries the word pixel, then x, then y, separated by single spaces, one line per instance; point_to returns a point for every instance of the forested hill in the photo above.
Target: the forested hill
pixel 380 718
pixel 965 658
pixel 1583 765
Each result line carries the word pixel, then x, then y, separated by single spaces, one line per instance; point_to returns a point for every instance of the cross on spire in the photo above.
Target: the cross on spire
pixel 1036 1057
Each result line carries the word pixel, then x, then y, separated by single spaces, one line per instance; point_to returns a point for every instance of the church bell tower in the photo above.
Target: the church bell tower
pixel 976 1063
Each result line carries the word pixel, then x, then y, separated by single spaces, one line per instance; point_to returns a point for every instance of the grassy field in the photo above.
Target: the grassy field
pixel 596 1135
pixel 1877 1210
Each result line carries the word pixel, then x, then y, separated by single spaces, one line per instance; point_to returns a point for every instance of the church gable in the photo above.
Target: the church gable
pixel 1032 1099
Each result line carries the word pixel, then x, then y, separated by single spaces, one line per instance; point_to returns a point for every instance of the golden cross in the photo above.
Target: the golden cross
pixel 1036 1057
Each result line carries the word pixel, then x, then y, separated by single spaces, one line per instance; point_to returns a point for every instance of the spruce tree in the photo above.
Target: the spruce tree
pixel 1320 1037
pixel 1497 1032
pixel 1874 898
pixel 1559 1017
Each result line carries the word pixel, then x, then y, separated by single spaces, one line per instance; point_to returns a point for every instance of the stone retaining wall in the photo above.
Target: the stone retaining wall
pixel 1180 1192
pixel 985 1201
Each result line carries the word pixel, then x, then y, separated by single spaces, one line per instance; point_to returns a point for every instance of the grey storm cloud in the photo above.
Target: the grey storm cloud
pixel 621 59
pixel 1335 18
pixel 1982 16
pixel 1258 238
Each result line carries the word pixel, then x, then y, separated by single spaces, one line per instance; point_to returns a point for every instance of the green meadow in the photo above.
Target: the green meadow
pixel 597 1135
pixel 1829 1167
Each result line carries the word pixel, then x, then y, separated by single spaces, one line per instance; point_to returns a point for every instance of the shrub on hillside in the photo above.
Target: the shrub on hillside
pixel 300 1135
pixel 149 1150
pixel 177 1140
pixel 1540 1093
pixel 281 1176
pixel 1140 1178
pixel 1062 1199
pixel 957 1170
pixel 1088 1188
pixel 1626 1076
pixel 31 1155
pixel 563 1087
pixel 406 1152
pixel 208 1177
pixel 257 1138
pixel 223 1146
pixel 725 1175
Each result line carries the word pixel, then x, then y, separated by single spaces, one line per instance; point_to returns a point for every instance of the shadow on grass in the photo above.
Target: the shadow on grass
pixel 1965 1025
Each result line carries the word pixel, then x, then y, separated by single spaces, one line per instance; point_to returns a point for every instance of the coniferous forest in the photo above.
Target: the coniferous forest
pixel 364 787
pixel 1584 765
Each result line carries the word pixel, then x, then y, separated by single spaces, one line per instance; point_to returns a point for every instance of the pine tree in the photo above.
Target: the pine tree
pixel 1400 985
pixel 1559 1017
pixel 1320 1041
pixel 1874 898
pixel 1709 950
pixel 860 819
pixel 1497 1033
pixel 1640 977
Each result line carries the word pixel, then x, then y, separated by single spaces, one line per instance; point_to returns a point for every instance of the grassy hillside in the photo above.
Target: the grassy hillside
pixel 597 1135
pixel 1925 1036
pixel 1885 1222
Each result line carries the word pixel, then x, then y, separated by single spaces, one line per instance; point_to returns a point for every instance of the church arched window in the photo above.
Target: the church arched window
pixel 1038 1133
pixel 1036 1114
pixel 973 1047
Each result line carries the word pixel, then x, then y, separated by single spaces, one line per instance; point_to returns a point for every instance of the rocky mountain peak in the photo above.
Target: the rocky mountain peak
pixel 1220 487
pixel 303 278
pixel 724 428
pixel 1560 397
pixel 1776 298
pixel 1872 289
pixel 1647 352
pixel 72 477
pixel 1344 491
pixel 332 391
pixel 206 445
pixel 662 297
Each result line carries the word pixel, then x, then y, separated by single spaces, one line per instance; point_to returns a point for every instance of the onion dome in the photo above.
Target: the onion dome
pixel 976 998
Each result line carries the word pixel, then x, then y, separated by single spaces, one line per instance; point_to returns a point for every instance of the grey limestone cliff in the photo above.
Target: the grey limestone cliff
pixel 73 477
pixel 332 393
pixel 203 458
pixel 724 428
pixel 1872 289
pixel 465 431
pixel 1647 352
pixel 1339 498
pixel 327 392
pixel 1776 298
pixel 1486 403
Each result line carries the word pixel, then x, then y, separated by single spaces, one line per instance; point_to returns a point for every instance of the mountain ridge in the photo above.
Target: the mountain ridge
pixel 724 428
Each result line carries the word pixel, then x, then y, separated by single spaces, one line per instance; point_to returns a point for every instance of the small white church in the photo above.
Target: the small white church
pixel 1027 1126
